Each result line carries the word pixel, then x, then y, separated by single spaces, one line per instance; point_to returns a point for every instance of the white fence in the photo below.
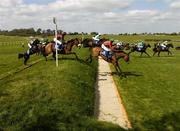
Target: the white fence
pixel 13 43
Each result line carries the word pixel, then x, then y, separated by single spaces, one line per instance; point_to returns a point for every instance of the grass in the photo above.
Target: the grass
pixel 47 98
pixel 151 91
pixel 44 97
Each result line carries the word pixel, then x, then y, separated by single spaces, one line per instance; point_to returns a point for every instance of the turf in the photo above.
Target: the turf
pixel 151 91
pixel 44 97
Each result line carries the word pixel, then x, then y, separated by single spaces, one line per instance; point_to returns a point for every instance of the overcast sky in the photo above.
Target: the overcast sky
pixel 104 16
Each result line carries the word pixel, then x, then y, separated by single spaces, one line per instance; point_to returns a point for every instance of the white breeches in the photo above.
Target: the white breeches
pixel 105 48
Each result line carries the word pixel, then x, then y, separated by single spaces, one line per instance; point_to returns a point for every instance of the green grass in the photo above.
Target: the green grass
pixel 9 57
pixel 44 97
pixel 151 91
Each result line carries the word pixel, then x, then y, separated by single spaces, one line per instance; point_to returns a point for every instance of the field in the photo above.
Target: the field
pixel 151 91
pixel 45 97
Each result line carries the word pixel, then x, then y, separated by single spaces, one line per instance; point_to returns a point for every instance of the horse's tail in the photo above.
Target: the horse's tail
pixel 20 56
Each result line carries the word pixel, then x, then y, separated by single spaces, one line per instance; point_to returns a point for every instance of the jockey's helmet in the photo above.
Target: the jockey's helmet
pixel 64 33
pixel 59 36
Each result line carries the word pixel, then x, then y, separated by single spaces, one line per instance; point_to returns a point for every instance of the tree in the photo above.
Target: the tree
pixel 39 31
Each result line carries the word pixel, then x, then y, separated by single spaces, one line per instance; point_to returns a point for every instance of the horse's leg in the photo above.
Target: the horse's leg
pixel 147 54
pixel 45 56
pixel 159 54
pixel 154 53
pixel 169 52
pixel 69 53
pixel 26 57
pixel 118 69
pixel 54 55
pixel 141 54
pixel 90 58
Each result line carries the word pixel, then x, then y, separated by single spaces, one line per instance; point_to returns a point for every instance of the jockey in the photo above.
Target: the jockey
pixel 119 45
pixel 58 41
pixel 96 38
pixel 140 45
pixel 164 44
pixel 30 45
pixel 106 46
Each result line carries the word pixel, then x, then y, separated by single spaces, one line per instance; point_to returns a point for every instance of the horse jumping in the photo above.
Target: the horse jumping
pixel 117 54
pixel 67 48
pixel 34 49
pixel 88 42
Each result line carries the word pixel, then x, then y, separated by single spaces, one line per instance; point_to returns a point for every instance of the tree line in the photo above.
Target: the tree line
pixel 39 31
pixel 50 32
pixel 27 32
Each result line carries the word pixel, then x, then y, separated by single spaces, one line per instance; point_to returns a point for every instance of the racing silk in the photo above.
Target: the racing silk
pixel 107 45
pixel 61 37
pixel 141 44
pixel 119 45
pixel 164 44
pixel 96 38
pixel 59 44
pixel 57 41
pixel 29 45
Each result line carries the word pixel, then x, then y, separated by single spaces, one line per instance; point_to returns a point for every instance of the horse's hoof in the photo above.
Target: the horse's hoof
pixel 123 75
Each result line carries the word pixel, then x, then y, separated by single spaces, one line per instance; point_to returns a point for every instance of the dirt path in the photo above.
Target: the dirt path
pixel 108 104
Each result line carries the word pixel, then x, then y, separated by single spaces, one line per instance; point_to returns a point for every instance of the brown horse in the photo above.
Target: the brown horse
pixel 88 42
pixel 117 54
pixel 158 49
pixel 67 50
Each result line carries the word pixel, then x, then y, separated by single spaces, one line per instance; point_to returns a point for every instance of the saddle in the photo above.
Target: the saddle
pixel 106 54
pixel 140 48
pixel 95 42
pixel 161 47
pixel 59 47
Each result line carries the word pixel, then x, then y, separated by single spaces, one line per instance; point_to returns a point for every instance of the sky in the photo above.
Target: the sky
pixel 103 16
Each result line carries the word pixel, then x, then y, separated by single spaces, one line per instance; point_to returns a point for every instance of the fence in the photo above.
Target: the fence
pixel 13 43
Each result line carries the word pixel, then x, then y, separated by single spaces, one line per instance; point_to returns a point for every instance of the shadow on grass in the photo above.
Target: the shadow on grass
pixel 165 56
pixel 73 59
pixel 169 122
pixel 3 94
pixel 143 57
pixel 128 74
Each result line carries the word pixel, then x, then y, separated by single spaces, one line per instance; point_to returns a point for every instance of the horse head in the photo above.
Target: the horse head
pixel 77 42
pixel 148 45
pixel 73 42
pixel 170 45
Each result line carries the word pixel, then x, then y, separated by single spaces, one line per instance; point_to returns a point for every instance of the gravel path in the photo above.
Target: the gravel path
pixel 108 104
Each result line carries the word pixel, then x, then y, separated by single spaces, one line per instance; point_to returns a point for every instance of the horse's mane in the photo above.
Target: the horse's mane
pixel 119 51
pixel 69 41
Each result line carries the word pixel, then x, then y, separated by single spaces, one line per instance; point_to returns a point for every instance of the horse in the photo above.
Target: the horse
pixel 158 49
pixel 117 54
pixel 142 50
pixel 88 42
pixel 178 48
pixel 34 49
pixel 67 49
pixel 123 46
